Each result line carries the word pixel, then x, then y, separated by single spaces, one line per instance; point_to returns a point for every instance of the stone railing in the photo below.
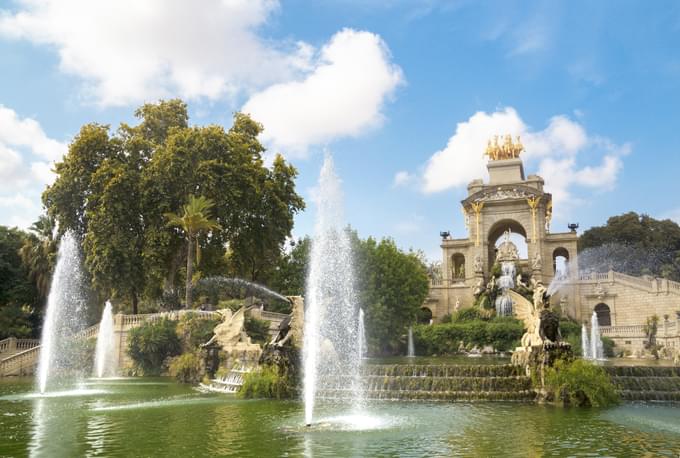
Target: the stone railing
pixel 136 320
pixel 272 316
pixel 649 285
pixel 20 363
pixel 14 345
pixel 436 281
pixel 636 330
pixel 594 276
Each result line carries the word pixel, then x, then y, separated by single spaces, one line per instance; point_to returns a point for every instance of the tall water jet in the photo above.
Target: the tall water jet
pixel 64 314
pixel 410 352
pixel 585 343
pixel 362 335
pixel 331 324
pixel 596 347
pixel 104 364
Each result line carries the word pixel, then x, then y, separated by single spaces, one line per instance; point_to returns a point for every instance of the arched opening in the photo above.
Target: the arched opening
pixel 561 262
pixel 604 317
pixel 458 267
pixel 424 315
pixel 517 235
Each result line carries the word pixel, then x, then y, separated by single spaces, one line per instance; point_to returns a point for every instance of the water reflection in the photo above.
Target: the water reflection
pixel 54 430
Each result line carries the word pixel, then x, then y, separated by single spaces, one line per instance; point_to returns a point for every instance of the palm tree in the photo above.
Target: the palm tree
pixel 39 252
pixel 194 220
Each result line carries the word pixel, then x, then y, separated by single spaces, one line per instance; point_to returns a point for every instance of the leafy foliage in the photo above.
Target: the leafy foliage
pixel 581 383
pixel 114 188
pixel 194 331
pixel 503 333
pixel 187 367
pixel 195 219
pixel 150 344
pixel 258 330
pixel 19 298
pixel 633 244
pixel 265 383
pixel 392 285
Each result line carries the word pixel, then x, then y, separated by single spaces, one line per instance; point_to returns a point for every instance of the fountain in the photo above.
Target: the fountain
pixel 592 348
pixel 65 312
pixel 330 329
pixel 596 348
pixel 104 364
pixel 411 352
pixel 505 282
pixel 585 342
pixel 362 335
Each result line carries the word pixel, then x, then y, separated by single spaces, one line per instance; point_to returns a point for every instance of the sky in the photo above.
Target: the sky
pixel 403 94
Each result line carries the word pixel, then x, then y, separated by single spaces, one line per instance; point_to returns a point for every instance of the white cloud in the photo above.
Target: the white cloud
pixel 27 132
pixel 343 95
pixel 402 178
pixel 555 152
pixel 461 160
pixel 129 51
pixel 26 158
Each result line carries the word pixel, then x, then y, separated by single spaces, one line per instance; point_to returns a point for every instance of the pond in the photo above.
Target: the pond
pixel 157 417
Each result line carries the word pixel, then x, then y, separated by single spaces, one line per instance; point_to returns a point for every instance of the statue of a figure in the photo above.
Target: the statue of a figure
pixel 461 271
pixel 478 264
pixel 536 264
pixel 539 294
pixel 519 281
pixel 492 283
pixel 479 288
pixel 457 306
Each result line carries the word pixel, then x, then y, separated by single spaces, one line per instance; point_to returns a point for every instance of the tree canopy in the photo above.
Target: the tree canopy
pixel 114 188
pixel 634 244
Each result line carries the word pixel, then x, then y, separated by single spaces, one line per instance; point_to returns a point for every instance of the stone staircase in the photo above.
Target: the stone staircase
pixel 436 383
pixel 646 383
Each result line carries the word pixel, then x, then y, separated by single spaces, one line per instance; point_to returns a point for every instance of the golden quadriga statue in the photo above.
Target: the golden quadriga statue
pixel 505 150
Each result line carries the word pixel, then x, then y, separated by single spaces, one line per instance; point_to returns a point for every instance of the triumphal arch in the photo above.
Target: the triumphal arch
pixel 510 202
pixel 514 203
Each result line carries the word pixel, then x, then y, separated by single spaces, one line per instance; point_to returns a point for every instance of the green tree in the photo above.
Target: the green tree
pixel 113 189
pixel 392 287
pixel 291 271
pixel 195 220
pixel 18 294
pixel 114 239
pixel 634 244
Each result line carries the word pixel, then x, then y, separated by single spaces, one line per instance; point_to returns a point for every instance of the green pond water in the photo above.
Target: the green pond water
pixel 157 417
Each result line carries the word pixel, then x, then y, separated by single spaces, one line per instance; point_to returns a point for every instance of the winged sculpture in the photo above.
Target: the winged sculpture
pixel 530 314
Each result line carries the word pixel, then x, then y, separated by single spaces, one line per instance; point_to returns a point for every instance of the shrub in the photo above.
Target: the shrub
pixel 187 368
pixel 503 333
pixel 466 314
pixel 608 345
pixel 150 344
pixel 193 331
pixel 257 330
pixel 265 383
pixel 581 383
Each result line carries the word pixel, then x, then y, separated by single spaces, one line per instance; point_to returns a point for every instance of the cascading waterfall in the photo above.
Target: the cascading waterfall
pixel 505 282
pixel 411 352
pixel 104 363
pixel 585 343
pixel 331 325
pixel 64 314
pixel 362 335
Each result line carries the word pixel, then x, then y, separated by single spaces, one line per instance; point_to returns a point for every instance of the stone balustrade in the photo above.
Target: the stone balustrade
pixel 13 345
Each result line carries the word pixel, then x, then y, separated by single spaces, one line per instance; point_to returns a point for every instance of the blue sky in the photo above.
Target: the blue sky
pixel 404 95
